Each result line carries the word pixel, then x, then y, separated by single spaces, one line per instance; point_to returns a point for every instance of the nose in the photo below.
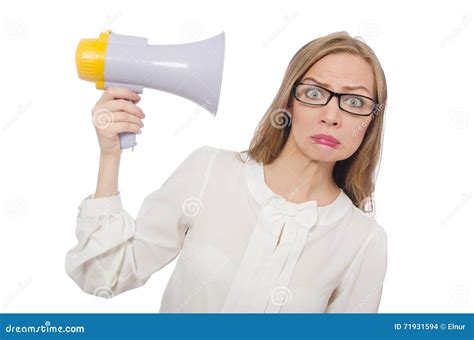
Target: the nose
pixel 331 113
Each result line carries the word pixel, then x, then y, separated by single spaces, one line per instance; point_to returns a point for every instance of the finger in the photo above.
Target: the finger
pixel 124 105
pixel 117 93
pixel 123 116
pixel 125 127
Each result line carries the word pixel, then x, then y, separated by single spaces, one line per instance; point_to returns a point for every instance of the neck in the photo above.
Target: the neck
pixel 299 179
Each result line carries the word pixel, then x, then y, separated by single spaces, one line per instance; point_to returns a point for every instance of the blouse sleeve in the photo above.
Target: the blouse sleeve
pixel 360 290
pixel 115 252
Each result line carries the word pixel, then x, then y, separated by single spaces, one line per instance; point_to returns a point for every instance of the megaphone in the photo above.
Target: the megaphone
pixel 193 70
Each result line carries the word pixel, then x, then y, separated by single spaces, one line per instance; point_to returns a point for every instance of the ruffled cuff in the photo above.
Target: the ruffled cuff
pixel 91 207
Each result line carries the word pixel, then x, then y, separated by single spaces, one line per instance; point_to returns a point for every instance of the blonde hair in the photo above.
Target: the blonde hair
pixel 356 175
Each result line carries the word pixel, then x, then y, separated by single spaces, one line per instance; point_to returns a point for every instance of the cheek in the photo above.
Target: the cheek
pixel 302 122
pixel 355 133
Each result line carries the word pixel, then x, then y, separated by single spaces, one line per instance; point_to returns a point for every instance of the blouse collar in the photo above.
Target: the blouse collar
pixel 260 191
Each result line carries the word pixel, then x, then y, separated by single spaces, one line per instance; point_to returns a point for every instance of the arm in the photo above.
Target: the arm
pixel 116 252
pixel 361 288
pixel 107 179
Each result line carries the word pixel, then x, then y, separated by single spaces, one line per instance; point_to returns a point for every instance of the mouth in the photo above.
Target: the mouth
pixel 325 140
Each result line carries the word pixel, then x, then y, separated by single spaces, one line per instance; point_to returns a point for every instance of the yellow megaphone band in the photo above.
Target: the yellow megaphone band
pixel 90 59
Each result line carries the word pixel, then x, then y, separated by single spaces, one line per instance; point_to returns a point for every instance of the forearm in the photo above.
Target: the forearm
pixel 107 180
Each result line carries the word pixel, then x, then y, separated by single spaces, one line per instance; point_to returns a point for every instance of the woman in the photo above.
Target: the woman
pixel 278 228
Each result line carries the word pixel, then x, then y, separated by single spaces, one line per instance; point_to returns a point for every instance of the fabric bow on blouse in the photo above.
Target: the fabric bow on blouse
pixel 261 284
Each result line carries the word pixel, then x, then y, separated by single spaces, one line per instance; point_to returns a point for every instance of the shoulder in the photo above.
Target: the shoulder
pixel 218 156
pixel 368 230
pixel 202 152
pixel 199 158
pixel 207 151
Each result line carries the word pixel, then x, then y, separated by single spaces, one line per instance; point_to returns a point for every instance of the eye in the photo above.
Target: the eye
pixel 355 101
pixel 313 93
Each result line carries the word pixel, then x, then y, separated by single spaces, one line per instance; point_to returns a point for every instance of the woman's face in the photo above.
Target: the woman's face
pixel 337 71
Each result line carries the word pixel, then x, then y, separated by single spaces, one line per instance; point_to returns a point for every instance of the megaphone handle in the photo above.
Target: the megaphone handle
pixel 127 140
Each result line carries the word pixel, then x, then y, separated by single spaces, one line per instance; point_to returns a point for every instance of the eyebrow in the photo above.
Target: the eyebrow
pixel 344 87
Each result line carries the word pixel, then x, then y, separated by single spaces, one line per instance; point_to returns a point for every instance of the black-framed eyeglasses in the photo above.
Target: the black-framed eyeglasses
pixel 316 95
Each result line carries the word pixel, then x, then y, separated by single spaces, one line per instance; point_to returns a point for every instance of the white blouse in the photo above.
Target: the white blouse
pixel 223 220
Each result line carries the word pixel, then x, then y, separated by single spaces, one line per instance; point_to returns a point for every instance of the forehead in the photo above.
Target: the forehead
pixel 343 69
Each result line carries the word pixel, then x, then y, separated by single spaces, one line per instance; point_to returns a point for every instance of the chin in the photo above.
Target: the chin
pixel 321 155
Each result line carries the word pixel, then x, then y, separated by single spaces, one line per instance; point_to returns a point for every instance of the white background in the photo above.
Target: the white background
pixel 49 151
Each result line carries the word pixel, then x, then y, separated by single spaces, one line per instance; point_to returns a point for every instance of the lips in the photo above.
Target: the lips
pixel 326 138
